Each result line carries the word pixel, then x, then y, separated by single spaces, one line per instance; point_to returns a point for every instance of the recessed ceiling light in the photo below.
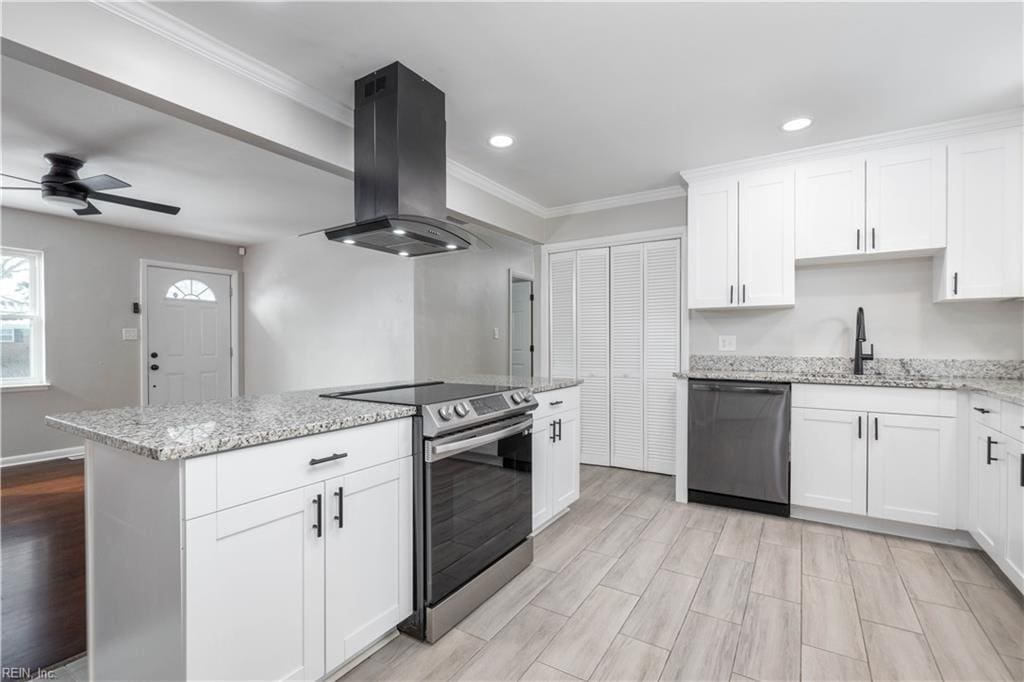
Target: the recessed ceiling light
pixel 796 124
pixel 501 141
pixel 451 246
pixel 348 241
pixel 398 231
pixel 403 253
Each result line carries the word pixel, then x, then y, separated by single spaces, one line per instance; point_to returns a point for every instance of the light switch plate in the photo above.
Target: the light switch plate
pixel 727 342
pixel 130 334
pixel 496 333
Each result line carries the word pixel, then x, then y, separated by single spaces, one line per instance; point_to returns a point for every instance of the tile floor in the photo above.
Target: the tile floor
pixel 630 586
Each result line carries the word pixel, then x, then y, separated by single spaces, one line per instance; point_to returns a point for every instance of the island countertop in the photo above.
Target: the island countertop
pixel 188 430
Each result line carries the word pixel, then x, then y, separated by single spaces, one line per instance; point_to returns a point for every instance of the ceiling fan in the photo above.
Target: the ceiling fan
pixel 61 186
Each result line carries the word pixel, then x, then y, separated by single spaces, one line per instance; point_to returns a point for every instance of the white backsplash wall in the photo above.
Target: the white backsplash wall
pixel 460 299
pixel 325 314
pixel 901 319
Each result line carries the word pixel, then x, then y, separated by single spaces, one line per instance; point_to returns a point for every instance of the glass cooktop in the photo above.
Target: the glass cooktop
pixel 419 394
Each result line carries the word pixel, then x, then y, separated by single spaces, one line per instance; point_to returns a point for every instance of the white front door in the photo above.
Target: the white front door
pixel 188 336
pixel 520 332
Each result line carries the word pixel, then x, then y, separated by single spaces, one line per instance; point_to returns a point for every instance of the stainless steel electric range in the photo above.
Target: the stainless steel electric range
pixel 473 494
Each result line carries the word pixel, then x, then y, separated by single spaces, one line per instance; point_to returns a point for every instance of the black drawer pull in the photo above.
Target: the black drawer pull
pixel 338 455
pixel 988 450
pixel 340 518
pixel 981 409
pixel 556 402
pixel 318 502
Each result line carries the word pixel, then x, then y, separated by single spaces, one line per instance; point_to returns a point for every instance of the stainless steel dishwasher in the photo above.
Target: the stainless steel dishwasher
pixel 739 445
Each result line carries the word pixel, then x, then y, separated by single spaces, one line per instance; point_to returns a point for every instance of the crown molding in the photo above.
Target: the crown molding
pixel 617 201
pixel 470 176
pixel 933 132
pixel 186 35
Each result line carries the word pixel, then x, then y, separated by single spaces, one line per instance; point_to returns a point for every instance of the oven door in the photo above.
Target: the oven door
pixel 479 501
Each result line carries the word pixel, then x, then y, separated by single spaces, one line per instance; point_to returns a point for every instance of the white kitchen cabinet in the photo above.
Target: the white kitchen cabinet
pixel 712 216
pixel 766 268
pixel 906 199
pixel 828 459
pixel 912 469
pixel 830 208
pixel 983 255
pixel 556 454
pixel 368 543
pixel 1014 554
pixel 254 590
pixel 592 351
pixel 989 490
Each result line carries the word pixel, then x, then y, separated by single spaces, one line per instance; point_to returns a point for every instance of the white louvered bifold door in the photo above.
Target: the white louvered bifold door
pixel 627 360
pixel 661 330
pixel 562 288
pixel 592 353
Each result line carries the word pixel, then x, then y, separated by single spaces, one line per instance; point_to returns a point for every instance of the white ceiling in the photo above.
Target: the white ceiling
pixel 615 98
pixel 228 191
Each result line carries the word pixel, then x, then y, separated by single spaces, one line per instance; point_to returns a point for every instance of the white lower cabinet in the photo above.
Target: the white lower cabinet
pixel 828 460
pixel 254 591
pixel 1014 554
pixel 556 456
pixel 989 495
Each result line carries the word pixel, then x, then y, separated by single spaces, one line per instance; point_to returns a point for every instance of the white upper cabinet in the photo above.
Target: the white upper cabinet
pixel 983 256
pixel 711 255
pixel 830 204
pixel 766 266
pixel 562 284
pixel 906 199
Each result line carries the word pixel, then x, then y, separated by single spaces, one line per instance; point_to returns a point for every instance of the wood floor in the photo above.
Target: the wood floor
pixel 630 585
pixel 42 550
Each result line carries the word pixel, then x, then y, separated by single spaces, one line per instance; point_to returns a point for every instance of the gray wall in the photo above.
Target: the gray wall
pixel 92 278
pixel 319 313
pixel 614 221
pixel 901 319
pixel 460 299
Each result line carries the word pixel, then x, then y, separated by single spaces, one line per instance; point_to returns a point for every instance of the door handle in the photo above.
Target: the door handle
pixel 988 450
pixel 330 458
pixel 154 367
pixel 340 518
pixel 318 502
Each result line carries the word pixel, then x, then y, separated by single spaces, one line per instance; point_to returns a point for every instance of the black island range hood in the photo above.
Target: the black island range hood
pixel 400 168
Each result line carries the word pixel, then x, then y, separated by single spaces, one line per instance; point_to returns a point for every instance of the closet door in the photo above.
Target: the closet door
pixel 661 329
pixel 562 322
pixel 592 353
pixel 627 363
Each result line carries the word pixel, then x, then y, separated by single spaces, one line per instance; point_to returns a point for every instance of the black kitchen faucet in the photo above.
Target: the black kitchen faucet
pixel 859 356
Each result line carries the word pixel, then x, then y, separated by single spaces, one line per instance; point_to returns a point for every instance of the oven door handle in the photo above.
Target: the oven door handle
pixel 438 452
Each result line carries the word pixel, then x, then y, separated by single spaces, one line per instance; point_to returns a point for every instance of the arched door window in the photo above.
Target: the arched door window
pixel 190 290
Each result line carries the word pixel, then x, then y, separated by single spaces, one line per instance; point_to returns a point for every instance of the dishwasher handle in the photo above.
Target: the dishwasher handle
pixel 775 390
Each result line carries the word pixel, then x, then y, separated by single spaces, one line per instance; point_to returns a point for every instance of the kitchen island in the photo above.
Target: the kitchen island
pixel 253 538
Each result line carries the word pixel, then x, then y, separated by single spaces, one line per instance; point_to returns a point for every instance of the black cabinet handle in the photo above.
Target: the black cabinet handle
pixel 553 434
pixel 154 367
pixel 340 518
pixel 876 428
pixel 318 502
pixel 556 402
pixel 154 355
pixel 744 293
pixel 872 237
pixel 981 409
pixel 559 429
pixel 988 450
pixel 731 288
pixel 860 434
pixel 858 239
pixel 955 283
pixel 338 455
pixel 1022 470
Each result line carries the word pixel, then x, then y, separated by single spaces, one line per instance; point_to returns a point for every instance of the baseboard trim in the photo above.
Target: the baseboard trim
pixel 957 538
pixel 75 452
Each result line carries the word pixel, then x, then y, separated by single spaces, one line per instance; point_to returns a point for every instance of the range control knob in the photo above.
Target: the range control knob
pixel 517 397
pixel 445 413
pixel 461 409
pixel 527 395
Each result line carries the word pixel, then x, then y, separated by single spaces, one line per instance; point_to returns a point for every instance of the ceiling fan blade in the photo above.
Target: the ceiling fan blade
pixel 135 203
pixel 88 210
pixel 15 177
pixel 32 188
pixel 98 183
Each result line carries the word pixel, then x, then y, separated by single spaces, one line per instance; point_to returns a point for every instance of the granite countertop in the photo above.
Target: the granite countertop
pixel 179 431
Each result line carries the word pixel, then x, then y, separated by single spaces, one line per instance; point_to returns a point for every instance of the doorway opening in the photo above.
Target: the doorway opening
pixel 520 324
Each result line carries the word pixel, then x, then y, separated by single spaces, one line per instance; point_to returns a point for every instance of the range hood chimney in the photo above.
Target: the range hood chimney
pixel 400 168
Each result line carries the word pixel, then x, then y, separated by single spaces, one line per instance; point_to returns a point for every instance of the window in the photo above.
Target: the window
pixel 22 352
pixel 190 290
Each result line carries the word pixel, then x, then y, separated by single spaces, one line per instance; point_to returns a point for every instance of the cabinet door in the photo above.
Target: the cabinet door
pixel 830 208
pixel 828 459
pixel 368 518
pixel 662 326
pixel 255 590
pixel 540 472
pixel 906 198
pixel 565 462
pixel 988 493
pixel 562 314
pixel 592 361
pixel 912 469
pixel 983 257
pixel 627 361
pixel 711 249
pixel 1014 554
pixel 767 270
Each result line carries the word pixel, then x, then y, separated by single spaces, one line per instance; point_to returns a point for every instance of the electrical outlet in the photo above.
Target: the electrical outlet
pixel 727 342
pixel 130 334
pixel 497 335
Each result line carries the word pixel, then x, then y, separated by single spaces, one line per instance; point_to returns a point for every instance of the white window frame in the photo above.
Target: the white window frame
pixel 37 315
